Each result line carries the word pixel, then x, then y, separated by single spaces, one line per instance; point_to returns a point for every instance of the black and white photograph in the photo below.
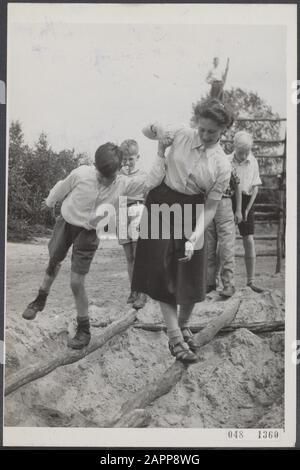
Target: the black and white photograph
pixel 150 294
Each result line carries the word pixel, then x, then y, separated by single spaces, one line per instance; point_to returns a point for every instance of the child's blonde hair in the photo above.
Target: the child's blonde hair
pixel 243 139
pixel 129 147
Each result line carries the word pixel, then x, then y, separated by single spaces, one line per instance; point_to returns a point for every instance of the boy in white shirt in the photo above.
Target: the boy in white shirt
pixel 247 170
pixel 82 192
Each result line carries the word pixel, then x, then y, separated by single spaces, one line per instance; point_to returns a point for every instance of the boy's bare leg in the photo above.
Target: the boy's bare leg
pixel 82 336
pixel 129 253
pixel 250 262
pixel 80 296
pixel 50 276
pixel 250 257
pixel 140 297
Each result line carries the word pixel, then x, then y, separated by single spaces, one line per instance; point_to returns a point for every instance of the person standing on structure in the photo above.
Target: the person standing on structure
pixel 216 77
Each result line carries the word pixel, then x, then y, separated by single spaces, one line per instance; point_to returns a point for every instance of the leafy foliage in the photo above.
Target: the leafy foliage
pixel 32 172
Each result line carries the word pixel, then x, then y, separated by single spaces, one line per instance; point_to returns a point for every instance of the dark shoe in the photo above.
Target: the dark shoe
pixel 82 336
pixel 140 301
pixel 132 297
pixel 211 288
pixel 256 289
pixel 189 339
pixel 36 306
pixel 228 291
pixel 183 353
pixel 80 340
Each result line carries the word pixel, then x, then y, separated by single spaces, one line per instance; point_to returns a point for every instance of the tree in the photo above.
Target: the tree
pixel 32 173
pixel 19 189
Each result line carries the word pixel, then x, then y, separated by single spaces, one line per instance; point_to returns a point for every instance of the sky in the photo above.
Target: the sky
pixel 87 83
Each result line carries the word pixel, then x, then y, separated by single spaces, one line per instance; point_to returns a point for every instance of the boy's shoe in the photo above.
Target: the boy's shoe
pixel 82 336
pixel 227 292
pixel 211 288
pixel 132 297
pixel 256 289
pixel 80 340
pixel 140 301
pixel 36 306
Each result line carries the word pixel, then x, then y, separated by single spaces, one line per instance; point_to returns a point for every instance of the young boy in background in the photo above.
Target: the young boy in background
pixel 247 170
pixel 130 151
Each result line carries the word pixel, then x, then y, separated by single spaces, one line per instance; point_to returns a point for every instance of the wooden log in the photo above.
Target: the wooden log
pixel 260 253
pixel 173 374
pixel 256 327
pixel 258 142
pixel 254 119
pixel 69 356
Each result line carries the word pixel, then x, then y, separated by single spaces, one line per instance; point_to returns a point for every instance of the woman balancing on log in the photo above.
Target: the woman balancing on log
pixel 170 264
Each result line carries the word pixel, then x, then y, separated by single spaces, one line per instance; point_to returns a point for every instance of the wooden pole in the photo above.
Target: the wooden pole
pixel 69 356
pixel 255 327
pixel 281 211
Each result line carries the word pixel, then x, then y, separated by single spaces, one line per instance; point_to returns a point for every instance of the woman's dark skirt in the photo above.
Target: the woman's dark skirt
pixel 157 271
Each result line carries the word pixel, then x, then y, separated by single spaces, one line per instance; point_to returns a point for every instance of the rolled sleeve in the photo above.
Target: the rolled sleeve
pixel 62 189
pixel 221 183
pixel 158 131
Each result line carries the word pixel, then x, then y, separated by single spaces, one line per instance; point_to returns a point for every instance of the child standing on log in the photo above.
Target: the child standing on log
pixel 82 193
pixel 172 270
pixel 247 170
pixel 130 150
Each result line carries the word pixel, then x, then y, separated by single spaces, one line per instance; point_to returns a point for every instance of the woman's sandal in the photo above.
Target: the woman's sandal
pixel 183 353
pixel 189 339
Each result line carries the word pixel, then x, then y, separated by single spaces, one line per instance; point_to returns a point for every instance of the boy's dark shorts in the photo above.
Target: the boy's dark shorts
pixel 245 228
pixel 85 243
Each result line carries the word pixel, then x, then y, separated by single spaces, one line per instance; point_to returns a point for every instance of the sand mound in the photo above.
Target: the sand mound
pixel 237 383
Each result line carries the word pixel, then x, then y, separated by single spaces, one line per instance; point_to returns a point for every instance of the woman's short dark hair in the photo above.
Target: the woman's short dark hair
pixel 212 109
pixel 108 158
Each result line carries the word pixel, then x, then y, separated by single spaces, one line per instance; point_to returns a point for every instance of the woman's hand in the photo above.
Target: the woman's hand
pixel 238 217
pixel 162 145
pixel 189 250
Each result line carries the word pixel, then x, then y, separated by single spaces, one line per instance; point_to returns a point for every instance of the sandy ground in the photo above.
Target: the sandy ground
pixel 237 383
